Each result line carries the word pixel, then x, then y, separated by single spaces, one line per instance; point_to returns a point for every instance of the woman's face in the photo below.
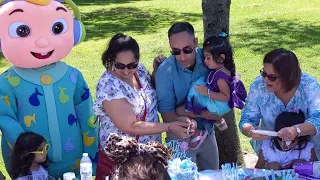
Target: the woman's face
pixel 125 64
pixel 271 78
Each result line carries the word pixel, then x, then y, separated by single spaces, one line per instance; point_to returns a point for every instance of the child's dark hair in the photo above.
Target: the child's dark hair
pixel 119 43
pixel 218 45
pixel 288 119
pixel 143 167
pixel 22 159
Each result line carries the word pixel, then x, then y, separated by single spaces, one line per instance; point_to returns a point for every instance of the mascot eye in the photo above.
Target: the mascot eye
pixel 19 29
pixel 59 26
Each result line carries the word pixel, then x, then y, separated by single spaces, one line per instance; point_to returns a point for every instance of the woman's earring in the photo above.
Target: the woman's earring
pixel 112 67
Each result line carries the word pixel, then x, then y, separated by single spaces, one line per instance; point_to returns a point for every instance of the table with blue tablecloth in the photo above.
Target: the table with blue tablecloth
pixel 217 174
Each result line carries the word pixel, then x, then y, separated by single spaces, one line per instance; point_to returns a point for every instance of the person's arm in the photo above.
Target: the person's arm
pixel 125 119
pixel 156 63
pixel 166 96
pixel 250 115
pixel 10 126
pixel 261 161
pixel 313 156
pixel 83 103
pixel 312 124
pixel 223 95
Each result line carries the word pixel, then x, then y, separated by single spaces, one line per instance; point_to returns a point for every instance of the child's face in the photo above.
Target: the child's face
pixel 39 157
pixel 209 61
pixel 284 146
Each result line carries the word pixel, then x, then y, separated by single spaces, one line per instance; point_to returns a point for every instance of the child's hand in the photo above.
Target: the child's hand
pixel 273 165
pixel 298 161
pixel 287 165
pixel 202 90
pixel 209 116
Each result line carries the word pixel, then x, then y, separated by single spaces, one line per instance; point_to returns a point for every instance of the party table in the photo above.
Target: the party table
pixel 217 174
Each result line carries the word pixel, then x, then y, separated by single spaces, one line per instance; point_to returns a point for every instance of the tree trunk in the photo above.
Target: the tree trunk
pixel 216 20
pixel 215 16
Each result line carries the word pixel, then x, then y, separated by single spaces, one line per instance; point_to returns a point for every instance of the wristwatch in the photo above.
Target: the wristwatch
pixel 298 130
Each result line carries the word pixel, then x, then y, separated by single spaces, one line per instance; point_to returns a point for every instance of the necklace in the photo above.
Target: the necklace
pixel 213 75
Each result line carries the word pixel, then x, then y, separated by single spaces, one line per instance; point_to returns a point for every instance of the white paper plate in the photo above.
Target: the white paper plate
pixel 265 132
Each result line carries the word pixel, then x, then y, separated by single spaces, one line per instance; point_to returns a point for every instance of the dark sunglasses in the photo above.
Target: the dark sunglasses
pixel 123 66
pixel 186 50
pixel 270 77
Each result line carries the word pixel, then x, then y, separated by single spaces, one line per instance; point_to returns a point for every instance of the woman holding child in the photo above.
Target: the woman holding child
pixel 126 101
pixel 282 87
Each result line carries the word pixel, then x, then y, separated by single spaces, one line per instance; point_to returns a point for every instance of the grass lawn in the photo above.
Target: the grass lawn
pixel 256 26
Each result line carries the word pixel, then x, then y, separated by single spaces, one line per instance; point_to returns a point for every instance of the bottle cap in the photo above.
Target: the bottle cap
pixel 85 154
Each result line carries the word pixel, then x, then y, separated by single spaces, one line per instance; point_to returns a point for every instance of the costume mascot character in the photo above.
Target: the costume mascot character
pixel 40 93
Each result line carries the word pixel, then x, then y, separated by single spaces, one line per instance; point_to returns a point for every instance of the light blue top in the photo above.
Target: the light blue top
pixel 263 105
pixel 173 81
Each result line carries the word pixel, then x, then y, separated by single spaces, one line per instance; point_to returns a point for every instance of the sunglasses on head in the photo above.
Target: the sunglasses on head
pixel 123 66
pixel 186 50
pixel 272 78
pixel 43 151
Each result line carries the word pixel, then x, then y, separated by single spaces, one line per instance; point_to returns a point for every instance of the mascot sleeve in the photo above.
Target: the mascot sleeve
pixel 83 104
pixel 8 119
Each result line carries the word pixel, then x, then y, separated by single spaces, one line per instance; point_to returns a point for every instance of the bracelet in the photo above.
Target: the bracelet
pixel 249 133
pixel 209 93
pixel 169 130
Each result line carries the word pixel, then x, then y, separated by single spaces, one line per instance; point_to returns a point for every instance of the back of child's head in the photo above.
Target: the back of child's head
pixel 220 45
pixel 143 167
pixel 137 161
pixel 288 119
pixel 22 158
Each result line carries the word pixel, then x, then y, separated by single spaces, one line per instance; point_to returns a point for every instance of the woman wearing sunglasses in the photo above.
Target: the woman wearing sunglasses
pixel 282 87
pixel 126 102
pixel 29 157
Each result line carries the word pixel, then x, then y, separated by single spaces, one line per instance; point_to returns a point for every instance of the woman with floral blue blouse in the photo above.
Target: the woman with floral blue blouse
pixel 282 87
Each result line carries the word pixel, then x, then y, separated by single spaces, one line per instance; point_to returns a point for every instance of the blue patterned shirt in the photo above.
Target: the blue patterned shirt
pixel 263 105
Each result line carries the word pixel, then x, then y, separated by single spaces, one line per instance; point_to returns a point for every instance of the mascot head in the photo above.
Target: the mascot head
pixel 36 33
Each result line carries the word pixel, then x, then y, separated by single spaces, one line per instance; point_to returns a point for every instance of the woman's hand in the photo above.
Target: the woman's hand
pixel 180 127
pixel 157 61
pixel 192 123
pixel 202 89
pixel 288 133
pixel 273 165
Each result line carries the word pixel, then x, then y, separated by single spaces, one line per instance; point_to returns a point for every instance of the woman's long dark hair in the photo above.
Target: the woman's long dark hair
pixel 119 43
pixel 288 119
pixel 218 45
pixel 22 159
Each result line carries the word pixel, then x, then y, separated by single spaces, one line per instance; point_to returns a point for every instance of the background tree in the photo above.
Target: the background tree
pixel 216 15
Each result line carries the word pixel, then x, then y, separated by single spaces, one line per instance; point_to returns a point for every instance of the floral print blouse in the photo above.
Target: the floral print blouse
pixel 263 105
pixel 110 87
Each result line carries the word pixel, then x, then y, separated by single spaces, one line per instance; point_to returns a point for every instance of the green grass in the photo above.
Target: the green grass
pixel 256 26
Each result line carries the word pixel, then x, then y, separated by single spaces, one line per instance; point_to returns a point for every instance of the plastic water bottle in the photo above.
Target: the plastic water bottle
pixel 85 167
